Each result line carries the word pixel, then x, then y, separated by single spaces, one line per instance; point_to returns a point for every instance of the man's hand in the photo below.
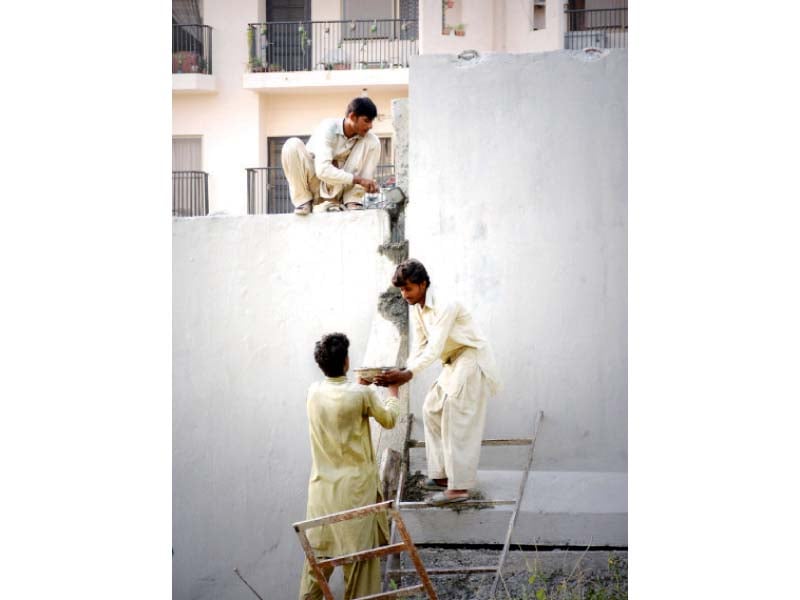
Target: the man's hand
pixel 370 185
pixel 393 377
pixel 363 381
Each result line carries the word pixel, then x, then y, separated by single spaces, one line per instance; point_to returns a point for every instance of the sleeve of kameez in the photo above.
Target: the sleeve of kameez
pixel 420 340
pixel 435 344
pixel 384 413
pixel 323 158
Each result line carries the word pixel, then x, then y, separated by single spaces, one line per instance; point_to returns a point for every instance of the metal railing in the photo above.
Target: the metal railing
pixel 268 190
pixel 191 49
pixel 596 28
pixel 331 45
pixel 189 193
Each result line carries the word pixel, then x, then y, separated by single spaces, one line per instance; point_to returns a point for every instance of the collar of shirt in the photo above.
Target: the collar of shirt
pixel 340 131
pixel 430 301
pixel 340 379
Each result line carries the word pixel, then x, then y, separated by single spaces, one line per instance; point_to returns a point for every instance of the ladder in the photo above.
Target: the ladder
pixel 497 569
pixel 392 549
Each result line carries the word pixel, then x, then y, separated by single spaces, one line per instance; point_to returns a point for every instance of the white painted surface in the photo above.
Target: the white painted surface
pixel 300 81
pixel 519 206
pixel 188 83
pixel 251 295
pixel 558 508
pixel 491 26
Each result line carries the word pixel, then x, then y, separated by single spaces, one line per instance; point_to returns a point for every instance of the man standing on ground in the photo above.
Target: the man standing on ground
pixel 344 474
pixel 454 411
pixel 337 165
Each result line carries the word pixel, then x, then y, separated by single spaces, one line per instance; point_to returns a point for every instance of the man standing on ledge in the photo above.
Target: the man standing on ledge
pixel 337 165
pixel 454 411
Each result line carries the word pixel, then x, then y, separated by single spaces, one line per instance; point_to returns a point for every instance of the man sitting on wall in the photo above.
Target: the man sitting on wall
pixel 344 474
pixel 454 411
pixel 337 165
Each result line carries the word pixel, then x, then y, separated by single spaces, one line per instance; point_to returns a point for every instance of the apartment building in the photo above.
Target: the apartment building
pixel 248 74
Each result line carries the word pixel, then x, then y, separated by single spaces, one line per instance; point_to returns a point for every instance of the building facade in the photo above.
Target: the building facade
pixel 248 74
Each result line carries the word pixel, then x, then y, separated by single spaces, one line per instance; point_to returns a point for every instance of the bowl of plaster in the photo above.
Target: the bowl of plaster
pixel 369 373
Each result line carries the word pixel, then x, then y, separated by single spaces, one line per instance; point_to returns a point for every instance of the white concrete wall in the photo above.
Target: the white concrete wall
pixel 519 206
pixel 251 295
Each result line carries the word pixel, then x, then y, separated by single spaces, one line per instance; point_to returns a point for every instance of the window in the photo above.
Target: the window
pixel 367 9
pixel 186 153
pixel 539 14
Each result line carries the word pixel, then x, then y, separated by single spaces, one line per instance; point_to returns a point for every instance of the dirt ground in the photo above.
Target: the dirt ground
pixel 534 575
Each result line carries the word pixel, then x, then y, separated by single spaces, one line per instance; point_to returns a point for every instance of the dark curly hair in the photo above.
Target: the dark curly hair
pixel 331 352
pixel 412 271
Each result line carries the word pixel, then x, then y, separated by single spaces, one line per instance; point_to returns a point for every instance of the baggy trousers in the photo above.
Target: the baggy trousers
pixel 298 166
pixel 360 579
pixel 454 413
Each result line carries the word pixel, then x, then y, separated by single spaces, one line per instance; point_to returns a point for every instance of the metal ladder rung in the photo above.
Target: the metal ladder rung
pixel 491 442
pixel 445 571
pixel 406 591
pixel 356 556
pixel 417 505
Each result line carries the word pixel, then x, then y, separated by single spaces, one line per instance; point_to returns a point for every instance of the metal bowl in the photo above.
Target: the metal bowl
pixel 369 373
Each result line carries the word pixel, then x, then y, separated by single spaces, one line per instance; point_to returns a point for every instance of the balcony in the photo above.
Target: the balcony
pixel 596 28
pixel 268 190
pixel 191 59
pixel 329 54
pixel 189 193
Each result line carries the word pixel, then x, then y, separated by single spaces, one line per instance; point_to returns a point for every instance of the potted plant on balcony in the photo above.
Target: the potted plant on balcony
pixel 446 29
pixel 256 66
pixel 460 29
pixel 185 62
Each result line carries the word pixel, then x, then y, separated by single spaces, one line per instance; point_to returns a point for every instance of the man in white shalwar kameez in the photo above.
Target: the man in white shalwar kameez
pixel 336 167
pixel 454 411
pixel 344 473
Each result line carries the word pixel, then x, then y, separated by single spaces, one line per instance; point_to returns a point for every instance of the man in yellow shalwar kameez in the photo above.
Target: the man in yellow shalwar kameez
pixel 344 473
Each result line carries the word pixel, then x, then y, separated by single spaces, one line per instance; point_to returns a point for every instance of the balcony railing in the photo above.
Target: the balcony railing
pixel 191 49
pixel 331 45
pixel 596 28
pixel 189 193
pixel 268 190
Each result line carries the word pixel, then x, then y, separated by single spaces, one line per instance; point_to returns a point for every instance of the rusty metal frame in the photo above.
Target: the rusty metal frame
pixel 393 548
pixel 497 569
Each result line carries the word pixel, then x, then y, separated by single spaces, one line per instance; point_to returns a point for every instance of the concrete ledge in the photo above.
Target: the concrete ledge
pixel 559 508
pixel 326 80
pixel 193 83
